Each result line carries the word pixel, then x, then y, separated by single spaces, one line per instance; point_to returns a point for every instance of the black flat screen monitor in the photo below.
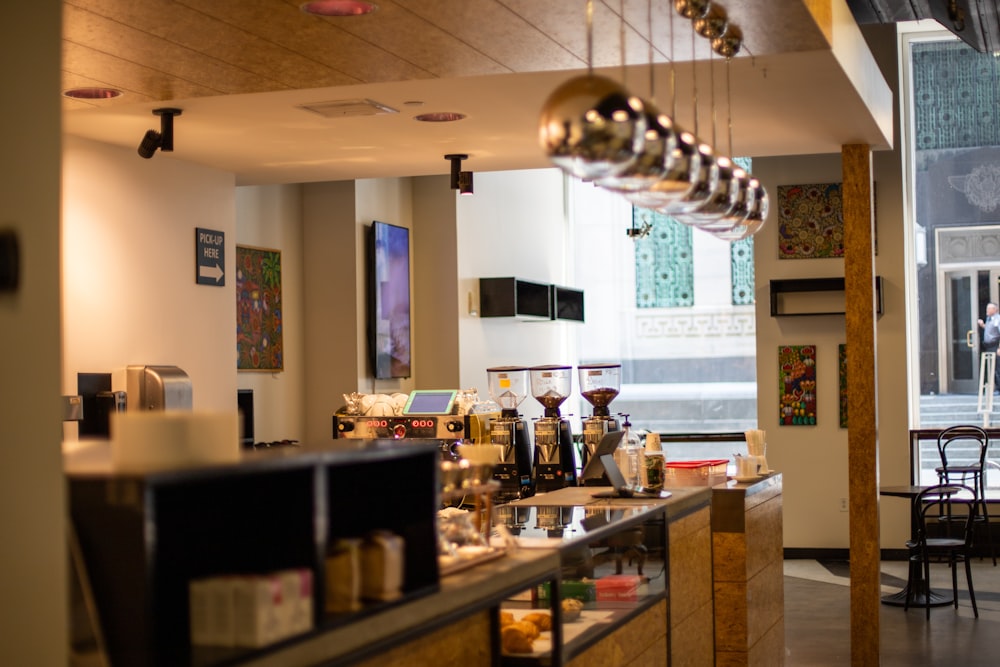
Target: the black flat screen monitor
pixel 389 300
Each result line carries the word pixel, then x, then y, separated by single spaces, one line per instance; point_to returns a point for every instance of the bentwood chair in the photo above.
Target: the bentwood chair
pixel 945 524
pixel 963 460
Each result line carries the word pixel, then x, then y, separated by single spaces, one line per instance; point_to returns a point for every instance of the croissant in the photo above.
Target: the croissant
pixel 542 621
pixel 514 640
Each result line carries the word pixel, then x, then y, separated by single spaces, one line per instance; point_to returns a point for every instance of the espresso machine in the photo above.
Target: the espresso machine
pixel 555 462
pixel 508 432
pixel 599 385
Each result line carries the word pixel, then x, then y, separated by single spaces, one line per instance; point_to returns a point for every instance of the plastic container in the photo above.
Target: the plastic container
pixel 707 472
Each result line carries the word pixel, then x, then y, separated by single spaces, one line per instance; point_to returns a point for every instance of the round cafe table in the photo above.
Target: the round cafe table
pixel 915 577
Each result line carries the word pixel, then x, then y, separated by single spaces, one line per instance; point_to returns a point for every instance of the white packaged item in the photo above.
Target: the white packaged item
pixel 258 618
pixel 297 600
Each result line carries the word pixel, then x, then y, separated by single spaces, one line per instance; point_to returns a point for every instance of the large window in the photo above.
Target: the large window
pixel 952 117
pixel 676 310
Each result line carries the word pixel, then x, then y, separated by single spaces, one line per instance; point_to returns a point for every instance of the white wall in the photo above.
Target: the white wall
pixel 129 291
pixel 813 459
pixel 271 217
pixel 32 491
pixel 515 225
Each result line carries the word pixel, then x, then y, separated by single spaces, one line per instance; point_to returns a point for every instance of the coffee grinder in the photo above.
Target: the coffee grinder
pixel 599 385
pixel 508 432
pixel 555 463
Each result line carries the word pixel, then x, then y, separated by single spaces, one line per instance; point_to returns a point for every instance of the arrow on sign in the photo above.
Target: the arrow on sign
pixel 213 272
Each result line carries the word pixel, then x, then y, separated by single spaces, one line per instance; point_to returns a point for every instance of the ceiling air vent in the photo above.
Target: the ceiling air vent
pixel 348 108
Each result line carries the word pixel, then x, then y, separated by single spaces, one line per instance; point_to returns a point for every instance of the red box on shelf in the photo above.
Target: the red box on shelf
pixel 621 588
pixel 707 472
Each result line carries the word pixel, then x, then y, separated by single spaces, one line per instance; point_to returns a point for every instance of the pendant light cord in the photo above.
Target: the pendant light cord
pixel 694 85
pixel 590 37
pixel 729 107
pixel 621 36
pixel 711 79
pixel 673 72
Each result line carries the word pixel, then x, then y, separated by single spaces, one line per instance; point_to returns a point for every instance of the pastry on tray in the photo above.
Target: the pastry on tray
pixel 542 620
pixel 571 608
pixel 514 640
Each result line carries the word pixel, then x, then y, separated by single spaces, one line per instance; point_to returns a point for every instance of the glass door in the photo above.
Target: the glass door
pixel 966 294
pixel 961 338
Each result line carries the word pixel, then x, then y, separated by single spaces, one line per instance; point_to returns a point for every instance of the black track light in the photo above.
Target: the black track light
pixel 460 180
pixel 150 142
pixel 164 139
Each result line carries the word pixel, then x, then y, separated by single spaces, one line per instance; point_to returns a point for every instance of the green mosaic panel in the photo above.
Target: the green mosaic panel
pixel 741 258
pixel 956 96
pixel 664 263
pixel 741 267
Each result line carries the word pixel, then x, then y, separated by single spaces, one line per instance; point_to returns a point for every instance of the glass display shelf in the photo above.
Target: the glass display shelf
pixel 612 569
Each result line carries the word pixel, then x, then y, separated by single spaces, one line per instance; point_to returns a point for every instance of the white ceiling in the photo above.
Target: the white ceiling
pixel 241 70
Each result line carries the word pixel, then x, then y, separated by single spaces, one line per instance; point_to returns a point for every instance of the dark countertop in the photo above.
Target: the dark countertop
pixel 93 458
pixel 682 500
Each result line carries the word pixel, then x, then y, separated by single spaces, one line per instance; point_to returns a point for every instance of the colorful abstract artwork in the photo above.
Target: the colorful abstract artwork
pixel 258 310
pixel 810 221
pixel 843 385
pixel 797 385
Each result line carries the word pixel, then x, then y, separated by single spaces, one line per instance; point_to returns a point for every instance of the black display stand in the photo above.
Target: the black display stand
pixel 144 537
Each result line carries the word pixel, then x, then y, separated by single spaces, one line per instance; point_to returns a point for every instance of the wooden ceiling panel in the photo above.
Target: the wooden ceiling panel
pixel 176 66
pixel 244 45
pixel 129 76
pixel 326 40
pixel 393 29
pixel 497 32
pixel 243 68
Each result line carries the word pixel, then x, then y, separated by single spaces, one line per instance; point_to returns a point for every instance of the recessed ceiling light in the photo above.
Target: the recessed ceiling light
pixel 440 117
pixel 92 93
pixel 338 7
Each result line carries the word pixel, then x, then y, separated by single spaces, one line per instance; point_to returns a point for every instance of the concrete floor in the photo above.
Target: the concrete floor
pixel 817 618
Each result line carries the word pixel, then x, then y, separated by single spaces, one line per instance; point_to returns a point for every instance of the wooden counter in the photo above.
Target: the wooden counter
pixel 686 622
pixel 144 536
pixel 748 574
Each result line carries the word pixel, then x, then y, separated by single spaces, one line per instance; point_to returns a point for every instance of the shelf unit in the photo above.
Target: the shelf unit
pixel 786 301
pixel 143 538
pixel 527 300
pixel 513 297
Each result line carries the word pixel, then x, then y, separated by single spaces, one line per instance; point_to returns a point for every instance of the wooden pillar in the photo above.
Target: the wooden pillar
pixel 862 432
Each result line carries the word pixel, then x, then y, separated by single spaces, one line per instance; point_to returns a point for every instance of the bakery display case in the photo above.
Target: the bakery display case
pixel 612 570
